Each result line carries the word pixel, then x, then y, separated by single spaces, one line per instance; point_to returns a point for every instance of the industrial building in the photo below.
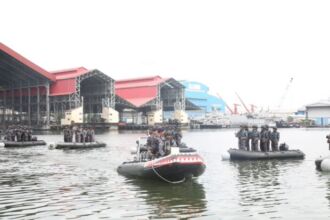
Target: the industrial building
pixel 319 112
pixel 198 94
pixel 31 95
pixel 144 100
pixel 34 96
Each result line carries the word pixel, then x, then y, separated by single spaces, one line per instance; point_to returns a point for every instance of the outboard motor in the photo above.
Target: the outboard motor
pixel 284 147
pixel 318 163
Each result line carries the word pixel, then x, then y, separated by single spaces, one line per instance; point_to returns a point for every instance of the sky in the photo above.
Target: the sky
pixel 252 48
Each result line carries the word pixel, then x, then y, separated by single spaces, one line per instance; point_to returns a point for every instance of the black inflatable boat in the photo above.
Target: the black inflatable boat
pixel 181 164
pixel 174 167
pixel 73 145
pixel 23 143
pixel 236 154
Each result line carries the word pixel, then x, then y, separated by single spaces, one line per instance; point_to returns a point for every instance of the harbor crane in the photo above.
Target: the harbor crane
pixel 236 109
pixel 245 107
pixel 284 94
pixel 230 110
pixel 253 107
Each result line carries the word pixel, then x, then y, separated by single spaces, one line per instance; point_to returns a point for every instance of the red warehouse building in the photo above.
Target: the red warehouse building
pixel 31 95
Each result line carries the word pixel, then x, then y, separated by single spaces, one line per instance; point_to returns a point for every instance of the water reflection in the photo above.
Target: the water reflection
pixel 37 183
pixel 182 201
pixel 324 180
pixel 259 184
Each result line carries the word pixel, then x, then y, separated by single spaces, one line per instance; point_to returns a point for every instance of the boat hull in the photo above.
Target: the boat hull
pixel 16 144
pixel 236 154
pixel 171 168
pixel 70 145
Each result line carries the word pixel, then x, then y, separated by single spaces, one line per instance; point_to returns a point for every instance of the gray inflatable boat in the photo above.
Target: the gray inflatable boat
pixel 23 143
pixel 236 154
pixel 73 145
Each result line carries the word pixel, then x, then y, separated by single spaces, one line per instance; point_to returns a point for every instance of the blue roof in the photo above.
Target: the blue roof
pixel 197 93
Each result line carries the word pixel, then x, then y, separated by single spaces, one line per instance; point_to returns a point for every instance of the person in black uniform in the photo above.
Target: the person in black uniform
pixel 263 139
pixel 275 138
pixel 239 137
pixel 328 140
pixel 255 137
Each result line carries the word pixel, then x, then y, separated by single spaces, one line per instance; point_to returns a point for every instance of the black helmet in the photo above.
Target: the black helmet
pixel 160 130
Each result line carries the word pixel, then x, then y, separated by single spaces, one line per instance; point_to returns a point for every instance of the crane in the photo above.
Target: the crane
pixel 230 110
pixel 253 107
pixel 284 93
pixel 246 108
pixel 235 108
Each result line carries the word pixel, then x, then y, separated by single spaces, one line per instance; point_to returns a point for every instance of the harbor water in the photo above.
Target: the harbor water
pixel 39 183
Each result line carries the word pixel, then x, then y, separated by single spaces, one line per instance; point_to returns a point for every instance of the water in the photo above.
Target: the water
pixel 38 183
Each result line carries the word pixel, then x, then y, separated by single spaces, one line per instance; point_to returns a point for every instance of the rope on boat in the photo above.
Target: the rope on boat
pixel 166 180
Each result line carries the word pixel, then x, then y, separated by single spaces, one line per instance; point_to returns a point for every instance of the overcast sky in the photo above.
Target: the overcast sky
pixel 249 47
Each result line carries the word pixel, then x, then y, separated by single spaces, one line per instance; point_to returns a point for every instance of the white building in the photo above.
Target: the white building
pixel 319 112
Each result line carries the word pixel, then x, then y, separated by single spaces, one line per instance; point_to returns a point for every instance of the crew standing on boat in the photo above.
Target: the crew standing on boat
pixel 88 135
pixel 92 135
pixel 81 135
pixel 161 140
pixel 239 137
pixel 19 134
pixel 328 140
pixel 263 138
pixel 152 144
pixel 70 134
pixel 169 142
pixel 177 136
pixel 12 134
pixel 245 138
pixel 255 137
pixel 78 135
pixel 268 138
pixel 65 134
pixel 274 138
pixel 29 134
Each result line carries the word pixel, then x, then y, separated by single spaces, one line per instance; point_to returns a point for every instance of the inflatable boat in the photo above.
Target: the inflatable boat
pixel 173 168
pixel 23 143
pixel 236 154
pixel 323 163
pixel 73 145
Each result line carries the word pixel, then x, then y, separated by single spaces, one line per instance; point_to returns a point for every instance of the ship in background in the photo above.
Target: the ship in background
pixel 224 116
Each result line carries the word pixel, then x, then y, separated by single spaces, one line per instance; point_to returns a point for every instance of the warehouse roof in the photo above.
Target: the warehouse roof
pixel 15 67
pixel 319 104
pixel 140 91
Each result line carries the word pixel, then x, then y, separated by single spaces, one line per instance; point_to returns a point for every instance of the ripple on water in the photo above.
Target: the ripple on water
pixel 37 183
